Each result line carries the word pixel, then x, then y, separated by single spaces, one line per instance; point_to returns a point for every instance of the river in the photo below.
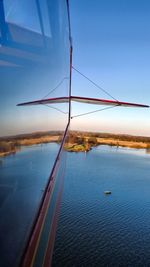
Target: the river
pixel 23 177
pixel 105 230
pixel 94 229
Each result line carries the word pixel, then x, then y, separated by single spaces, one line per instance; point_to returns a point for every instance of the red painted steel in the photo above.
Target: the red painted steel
pixel 46 101
pixel 98 101
pixel 88 100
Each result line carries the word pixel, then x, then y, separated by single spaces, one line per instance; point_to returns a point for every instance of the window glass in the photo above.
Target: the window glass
pixel 34 64
pixel 22 13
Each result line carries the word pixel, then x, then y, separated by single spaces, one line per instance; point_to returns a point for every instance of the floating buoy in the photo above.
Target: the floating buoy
pixel 107 192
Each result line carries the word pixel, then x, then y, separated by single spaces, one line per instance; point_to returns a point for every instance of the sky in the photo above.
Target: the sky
pixel 32 64
pixel 111 45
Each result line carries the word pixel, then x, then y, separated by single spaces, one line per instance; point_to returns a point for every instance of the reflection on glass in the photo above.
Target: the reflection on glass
pixel 34 64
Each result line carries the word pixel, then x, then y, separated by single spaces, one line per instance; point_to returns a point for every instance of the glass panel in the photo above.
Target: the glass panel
pixel 22 13
pixel 34 64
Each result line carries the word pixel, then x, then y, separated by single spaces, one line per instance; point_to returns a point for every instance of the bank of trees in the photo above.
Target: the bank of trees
pixel 7 147
pixel 73 138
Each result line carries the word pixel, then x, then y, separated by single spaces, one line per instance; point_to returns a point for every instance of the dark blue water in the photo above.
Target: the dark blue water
pixel 23 177
pixel 93 229
pixel 99 230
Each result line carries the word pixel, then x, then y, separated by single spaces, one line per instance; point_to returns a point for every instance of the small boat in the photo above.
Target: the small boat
pixel 107 192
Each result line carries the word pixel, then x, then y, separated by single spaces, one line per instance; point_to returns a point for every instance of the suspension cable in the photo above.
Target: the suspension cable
pixel 65 78
pixel 55 108
pixel 95 84
pixel 90 112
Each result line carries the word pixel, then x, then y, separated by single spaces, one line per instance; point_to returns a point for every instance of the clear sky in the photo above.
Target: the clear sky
pixel 34 60
pixel 111 45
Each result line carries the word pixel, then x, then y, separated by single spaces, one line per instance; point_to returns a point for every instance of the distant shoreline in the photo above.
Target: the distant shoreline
pixel 11 145
pixel 84 141
pixel 106 141
pixel 76 141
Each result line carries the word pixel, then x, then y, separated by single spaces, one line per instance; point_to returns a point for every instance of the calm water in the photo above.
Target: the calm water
pixel 93 229
pixel 99 230
pixel 23 178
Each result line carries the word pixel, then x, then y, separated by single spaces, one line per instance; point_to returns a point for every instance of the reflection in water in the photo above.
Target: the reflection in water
pixel 136 151
pixel 148 150
pixel 23 178
pixel 34 63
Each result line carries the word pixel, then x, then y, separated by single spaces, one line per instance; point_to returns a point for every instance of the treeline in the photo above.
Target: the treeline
pixel 120 137
pixel 12 143
pixel 30 136
pixel 7 147
pixel 75 138
pixel 78 136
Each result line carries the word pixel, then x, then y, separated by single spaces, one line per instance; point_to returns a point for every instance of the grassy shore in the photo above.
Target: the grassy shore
pixel 84 141
pixel 10 145
pixel 77 147
pixel 76 141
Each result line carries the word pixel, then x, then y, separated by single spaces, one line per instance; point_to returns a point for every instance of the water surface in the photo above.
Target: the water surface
pixel 99 230
pixel 23 177
pixel 93 229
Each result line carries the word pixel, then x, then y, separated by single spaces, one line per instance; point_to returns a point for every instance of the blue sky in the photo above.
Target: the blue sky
pixel 111 45
pixel 111 41
pixel 32 65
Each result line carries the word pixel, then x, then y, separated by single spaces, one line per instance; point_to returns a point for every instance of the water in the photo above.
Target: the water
pixel 23 178
pixel 99 230
pixel 93 229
